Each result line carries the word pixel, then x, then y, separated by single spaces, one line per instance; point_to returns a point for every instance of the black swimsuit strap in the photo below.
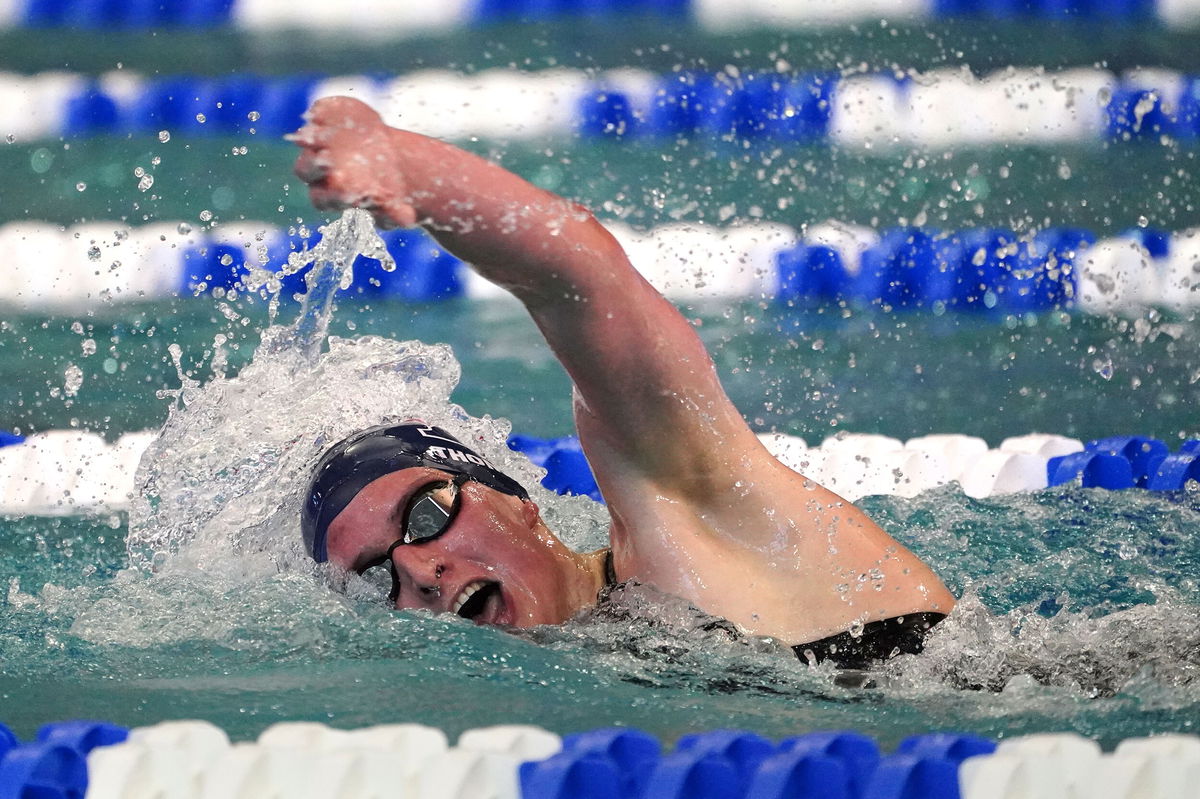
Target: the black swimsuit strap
pixel 878 641
pixel 610 572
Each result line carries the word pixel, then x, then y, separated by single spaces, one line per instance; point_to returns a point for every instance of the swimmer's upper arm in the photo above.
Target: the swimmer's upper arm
pixel 648 395
pixel 652 399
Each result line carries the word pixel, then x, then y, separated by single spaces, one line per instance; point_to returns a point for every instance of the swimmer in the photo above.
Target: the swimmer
pixel 699 508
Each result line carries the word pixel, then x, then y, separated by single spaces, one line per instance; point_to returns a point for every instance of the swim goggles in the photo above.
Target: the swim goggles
pixel 429 514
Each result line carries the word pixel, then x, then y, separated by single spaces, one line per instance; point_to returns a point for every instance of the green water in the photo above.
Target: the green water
pixel 1081 608
pixel 981 45
pixel 245 654
pixel 1106 188
pixel 810 372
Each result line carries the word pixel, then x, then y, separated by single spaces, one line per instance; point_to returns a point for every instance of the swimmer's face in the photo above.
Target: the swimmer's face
pixel 496 563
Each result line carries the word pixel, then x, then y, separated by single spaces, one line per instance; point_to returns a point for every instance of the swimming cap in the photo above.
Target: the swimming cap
pixel 349 465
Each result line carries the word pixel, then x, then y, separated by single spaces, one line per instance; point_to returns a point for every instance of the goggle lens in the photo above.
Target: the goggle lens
pixel 430 512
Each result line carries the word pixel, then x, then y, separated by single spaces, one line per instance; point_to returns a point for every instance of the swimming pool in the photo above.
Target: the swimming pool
pixel 1080 606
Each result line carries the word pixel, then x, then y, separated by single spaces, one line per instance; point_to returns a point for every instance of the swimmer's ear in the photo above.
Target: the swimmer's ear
pixel 530 512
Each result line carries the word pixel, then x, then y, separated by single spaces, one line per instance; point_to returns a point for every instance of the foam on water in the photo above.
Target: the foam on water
pixel 228 470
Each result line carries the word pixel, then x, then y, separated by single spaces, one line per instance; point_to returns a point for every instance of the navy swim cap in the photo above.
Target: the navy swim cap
pixel 348 466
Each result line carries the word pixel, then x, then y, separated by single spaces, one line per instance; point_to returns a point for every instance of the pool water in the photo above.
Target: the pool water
pixel 1080 610
pixel 1082 613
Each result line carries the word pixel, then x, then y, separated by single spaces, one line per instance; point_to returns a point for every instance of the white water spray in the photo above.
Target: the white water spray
pixel 228 471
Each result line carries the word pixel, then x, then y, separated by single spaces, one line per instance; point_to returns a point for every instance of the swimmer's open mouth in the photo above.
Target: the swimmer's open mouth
pixel 473 600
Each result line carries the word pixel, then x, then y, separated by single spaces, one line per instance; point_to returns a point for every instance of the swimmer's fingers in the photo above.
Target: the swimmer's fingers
pixel 325 199
pixel 389 212
pixel 395 213
pixel 311 166
pixel 330 117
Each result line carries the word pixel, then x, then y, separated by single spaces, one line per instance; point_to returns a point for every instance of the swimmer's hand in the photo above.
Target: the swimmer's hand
pixel 349 158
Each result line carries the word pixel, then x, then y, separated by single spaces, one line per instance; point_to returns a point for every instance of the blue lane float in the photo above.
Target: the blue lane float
pixel 771 107
pixel 423 270
pixel 1116 463
pixel 126 14
pixel 193 758
pixel 983 270
pixel 188 14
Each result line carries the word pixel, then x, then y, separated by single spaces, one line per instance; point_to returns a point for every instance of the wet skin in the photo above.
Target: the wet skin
pixel 496 546
pixel 699 508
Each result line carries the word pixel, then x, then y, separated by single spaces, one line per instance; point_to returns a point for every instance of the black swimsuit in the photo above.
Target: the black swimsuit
pixel 878 641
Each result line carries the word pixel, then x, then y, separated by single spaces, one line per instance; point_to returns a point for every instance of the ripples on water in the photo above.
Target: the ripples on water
pixel 1081 608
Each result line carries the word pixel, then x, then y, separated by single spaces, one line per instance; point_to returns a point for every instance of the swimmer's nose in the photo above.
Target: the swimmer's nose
pixel 420 579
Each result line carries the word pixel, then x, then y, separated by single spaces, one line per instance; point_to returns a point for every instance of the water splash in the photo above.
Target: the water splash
pixel 333 269
pixel 228 471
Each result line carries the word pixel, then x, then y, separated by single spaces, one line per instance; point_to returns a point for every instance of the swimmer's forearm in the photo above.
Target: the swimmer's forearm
pixel 637 363
pixel 528 240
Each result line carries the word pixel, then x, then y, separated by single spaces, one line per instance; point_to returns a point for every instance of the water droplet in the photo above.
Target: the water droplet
pixel 110 366
pixel 226 259
pixel 72 380
pixel 10 138
pixel 88 347
pixel 145 183
pixel 201 118
pixel 164 136
pixel 254 116
pixel 1103 367
pixel 80 186
pixel 183 229
pixel 93 253
pixel 41 160
pixel 206 215
pixel 1142 221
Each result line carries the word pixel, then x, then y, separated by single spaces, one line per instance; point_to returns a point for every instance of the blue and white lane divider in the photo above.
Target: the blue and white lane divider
pixel 978 270
pixel 72 472
pixel 406 19
pixel 937 108
pixel 308 760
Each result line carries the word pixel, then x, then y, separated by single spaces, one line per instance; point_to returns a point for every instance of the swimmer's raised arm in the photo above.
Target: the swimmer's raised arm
pixel 699 508
pixel 650 397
